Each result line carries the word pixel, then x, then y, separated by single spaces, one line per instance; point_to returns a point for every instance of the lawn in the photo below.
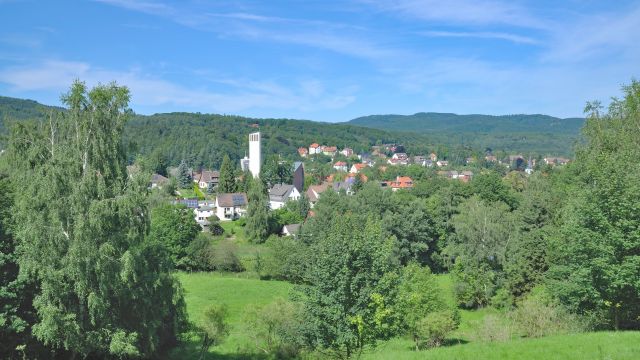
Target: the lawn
pixel 203 289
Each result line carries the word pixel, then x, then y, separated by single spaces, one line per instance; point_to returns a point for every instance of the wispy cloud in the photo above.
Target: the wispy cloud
pixel 149 91
pixel 610 34
pixel 518 39
pixel 318 34
pixel 467 12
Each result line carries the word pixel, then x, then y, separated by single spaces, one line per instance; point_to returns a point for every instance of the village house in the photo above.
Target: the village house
pixel 158 181
pixel 314 149
pixel 314 191
pixel 303 152
pixel 401 182
pixel 203 212
pixel 206 178
pixel 290 230
pixel 491 158
pixel 347 152
pixel 340 166
pixel 345 186
pixel 356 168
pixel 330 151
pixel 280 194
pixel 231 206
pixel 433 157
pixel 442 163
pixel 399 159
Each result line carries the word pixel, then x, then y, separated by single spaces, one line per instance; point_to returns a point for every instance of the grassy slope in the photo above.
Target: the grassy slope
pixel 204 289
pixel 600 345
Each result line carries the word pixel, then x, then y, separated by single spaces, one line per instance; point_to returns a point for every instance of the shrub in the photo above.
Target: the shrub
pixel 213 328
pixel 214 226
pixel 200 254
pixel 493 328
pixel 537 316
pixel 502 299
pixel 225 257
pixel 275 328
pixel 434 328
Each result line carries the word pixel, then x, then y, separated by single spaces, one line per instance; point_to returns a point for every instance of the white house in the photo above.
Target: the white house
pixel 280 194
pixel 203 212
pixel 340 166
pixel 231 206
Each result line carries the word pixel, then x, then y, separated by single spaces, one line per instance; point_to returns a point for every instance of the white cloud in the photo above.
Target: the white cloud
pixel 148 91
pixel 518 39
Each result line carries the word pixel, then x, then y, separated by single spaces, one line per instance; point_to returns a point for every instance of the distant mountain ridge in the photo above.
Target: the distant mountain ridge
pixel 427 122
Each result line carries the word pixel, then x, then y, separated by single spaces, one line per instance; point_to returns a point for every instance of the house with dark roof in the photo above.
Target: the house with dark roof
pixel 314 191
pixel 291 230
pixel 231 206
pixel 158 181
pixel 279 194
pixel 206 178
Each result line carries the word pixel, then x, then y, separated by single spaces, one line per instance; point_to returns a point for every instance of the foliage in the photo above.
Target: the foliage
pixel 275 328
pixel 104 289
pixel 418 296
pixel 257 227
pixel 174 227
pixel 594 259
pixel 199 254
pixel 227 181
pixel 350 268
pixel 435 327
pixel 276 171
pixel 213 327
pixel 483 233
pixel 214 226
pixel 490 187
pixel 536 318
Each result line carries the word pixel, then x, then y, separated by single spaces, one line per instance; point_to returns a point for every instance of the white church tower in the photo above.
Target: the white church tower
pixel 255 155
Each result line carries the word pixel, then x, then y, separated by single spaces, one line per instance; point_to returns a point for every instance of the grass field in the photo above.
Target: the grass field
pixel 240 291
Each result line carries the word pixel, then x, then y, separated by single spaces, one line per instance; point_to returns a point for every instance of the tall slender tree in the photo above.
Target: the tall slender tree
pixel 227 181
pixel 257 228
pixel 185 180
pixel 104 289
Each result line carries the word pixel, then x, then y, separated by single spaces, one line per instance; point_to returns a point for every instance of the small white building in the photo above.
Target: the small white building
pixel 203 212
pixel 340 166
pixel 231 206
pixel 280 194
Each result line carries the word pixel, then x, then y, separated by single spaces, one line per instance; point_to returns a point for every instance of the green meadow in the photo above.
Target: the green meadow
pixel 240 292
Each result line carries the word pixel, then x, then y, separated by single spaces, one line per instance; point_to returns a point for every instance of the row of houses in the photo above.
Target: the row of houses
pixel 316 148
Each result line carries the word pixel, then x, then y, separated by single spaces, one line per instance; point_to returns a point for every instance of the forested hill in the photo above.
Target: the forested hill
pixel 523 133
pixel 203 139
pixel 428 122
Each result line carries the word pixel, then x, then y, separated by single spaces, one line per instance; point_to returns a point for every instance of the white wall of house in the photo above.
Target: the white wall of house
pixel 293 195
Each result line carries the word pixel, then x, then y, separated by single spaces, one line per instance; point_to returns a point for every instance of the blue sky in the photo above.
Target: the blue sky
pixel 325 60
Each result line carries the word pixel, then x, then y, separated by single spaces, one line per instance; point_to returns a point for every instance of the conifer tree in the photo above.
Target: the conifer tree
pixel 185 180
pixel 227 182
pixel 105 290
